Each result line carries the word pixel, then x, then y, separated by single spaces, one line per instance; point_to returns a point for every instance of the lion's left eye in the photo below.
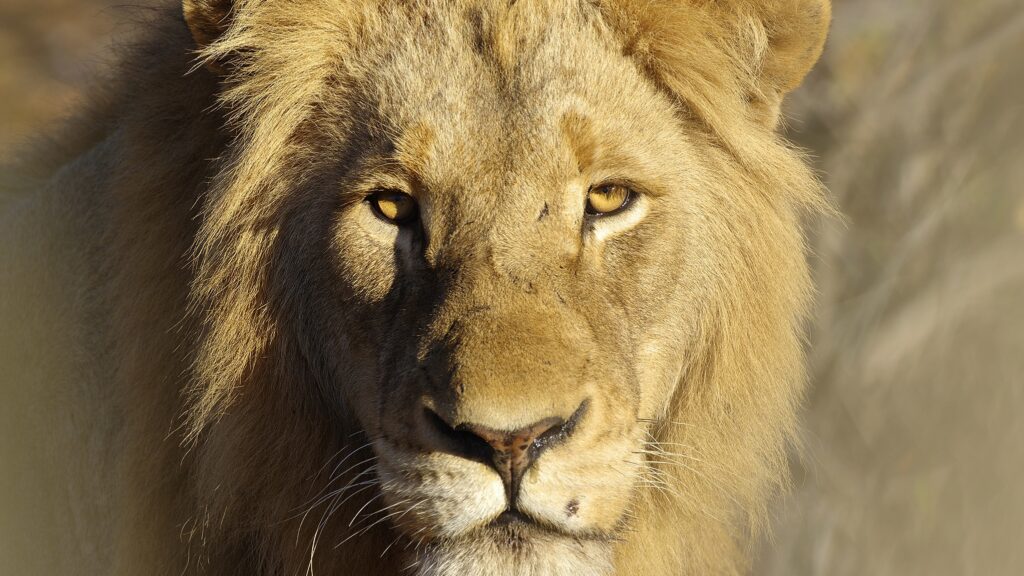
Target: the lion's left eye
pixel 394 206
pixel 608 199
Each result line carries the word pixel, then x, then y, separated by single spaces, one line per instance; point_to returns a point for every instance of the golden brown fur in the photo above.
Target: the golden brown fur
pixel 264 345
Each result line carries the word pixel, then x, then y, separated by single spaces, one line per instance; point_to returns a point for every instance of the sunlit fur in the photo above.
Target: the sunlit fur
pixel 267 336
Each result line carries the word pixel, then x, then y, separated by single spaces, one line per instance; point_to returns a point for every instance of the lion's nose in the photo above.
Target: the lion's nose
pixel 510 452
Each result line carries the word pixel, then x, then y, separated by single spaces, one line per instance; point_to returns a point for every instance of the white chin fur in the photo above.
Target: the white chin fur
pixel 545 556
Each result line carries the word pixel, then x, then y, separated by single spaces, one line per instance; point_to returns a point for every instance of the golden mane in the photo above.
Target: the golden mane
pixel 192 165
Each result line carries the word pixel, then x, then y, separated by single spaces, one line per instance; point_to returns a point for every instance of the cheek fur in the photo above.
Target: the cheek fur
pixel 364 255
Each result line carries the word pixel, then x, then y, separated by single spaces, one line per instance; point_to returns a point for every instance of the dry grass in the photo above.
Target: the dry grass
pixel 915 443
pixel 47 48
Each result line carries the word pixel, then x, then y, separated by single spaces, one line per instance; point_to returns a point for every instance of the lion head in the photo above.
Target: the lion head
pixel 498 287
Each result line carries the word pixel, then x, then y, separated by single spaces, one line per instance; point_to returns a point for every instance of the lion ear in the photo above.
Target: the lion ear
pixel 790 36
pixel 207 19
pixel 756 51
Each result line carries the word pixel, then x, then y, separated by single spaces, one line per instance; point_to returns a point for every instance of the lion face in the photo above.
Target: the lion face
pixel 525 249
pixel 502 280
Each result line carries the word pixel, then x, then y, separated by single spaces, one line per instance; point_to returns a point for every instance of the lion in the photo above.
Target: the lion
pixel 446 287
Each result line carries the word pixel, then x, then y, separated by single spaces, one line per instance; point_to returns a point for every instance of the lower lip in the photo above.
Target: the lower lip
pixel 512 518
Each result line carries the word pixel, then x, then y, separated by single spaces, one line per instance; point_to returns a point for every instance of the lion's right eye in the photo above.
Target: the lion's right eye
pixel 608 199
pixel 394 206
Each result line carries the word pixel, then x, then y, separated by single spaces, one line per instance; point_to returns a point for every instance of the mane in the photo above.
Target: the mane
pixel 221 133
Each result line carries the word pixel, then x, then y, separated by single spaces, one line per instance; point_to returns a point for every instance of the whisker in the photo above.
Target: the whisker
pixel 336 455
pixel 388 547
pixel 335 494
pixel 368 528
pixel 363 507
pixel 333 508
pixel 325 493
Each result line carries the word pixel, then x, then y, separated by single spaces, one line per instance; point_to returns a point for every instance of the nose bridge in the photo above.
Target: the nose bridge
pixel 506 350
pixel 512 222
pixel 505 358
pixel 517 251
pixel 518 366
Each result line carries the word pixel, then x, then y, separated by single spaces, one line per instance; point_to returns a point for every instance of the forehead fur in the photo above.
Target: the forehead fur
pixel 507 98
pixel 709 56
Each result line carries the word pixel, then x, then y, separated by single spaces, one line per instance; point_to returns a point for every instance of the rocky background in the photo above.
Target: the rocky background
pixel 914 456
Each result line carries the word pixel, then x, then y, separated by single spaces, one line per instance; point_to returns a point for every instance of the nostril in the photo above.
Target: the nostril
pixel 560 430
pixel 460 442
pixel 545 434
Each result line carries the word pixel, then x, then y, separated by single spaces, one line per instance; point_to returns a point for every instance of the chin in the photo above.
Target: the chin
pixel 515 549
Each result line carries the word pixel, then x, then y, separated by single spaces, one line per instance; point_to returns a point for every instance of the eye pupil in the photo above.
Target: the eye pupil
pixel 608 199
pixel 394 206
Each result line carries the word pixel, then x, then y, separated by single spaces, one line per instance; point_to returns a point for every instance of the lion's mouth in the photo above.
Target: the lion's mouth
pixel 515 526
pixel 513 518
pixel 518 526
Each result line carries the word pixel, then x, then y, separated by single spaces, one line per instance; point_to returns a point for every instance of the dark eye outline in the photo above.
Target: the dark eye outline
pixel 374 198
pixel 631 196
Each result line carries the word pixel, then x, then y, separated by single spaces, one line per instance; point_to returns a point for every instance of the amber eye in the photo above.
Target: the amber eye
pixel 394 206
pixel 608 199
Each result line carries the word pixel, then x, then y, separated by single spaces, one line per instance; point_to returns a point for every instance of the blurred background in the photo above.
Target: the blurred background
pixel 914 459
